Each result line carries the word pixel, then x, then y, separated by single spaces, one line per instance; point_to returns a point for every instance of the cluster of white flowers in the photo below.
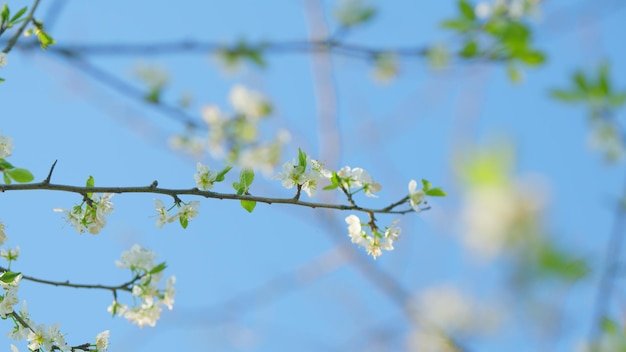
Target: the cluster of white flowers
pixel 513 8
pixel 4 59
pixel 141 263
pixel 235 137
pixel 358 179
pixel 375 242
pixel 305 172
pixel 38 336
pixel 6 146
pixel 186 212
pixel 89 216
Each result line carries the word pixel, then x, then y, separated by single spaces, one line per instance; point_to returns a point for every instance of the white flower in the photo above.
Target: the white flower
pixel 164 216
pixel 357 177
pixel 4 59
pixel 102 341
pixel 168 296
pixel 143 315
pixel 212 115
pixel 204 177
pixel 249 103
pixel 3 235
pixel 355 231
pixel 14 348
pixel 482 10
pixel 10 299
pixel 188 211
pixel 415 196
pixel 138 258
pixel 6 146
pixel 10 254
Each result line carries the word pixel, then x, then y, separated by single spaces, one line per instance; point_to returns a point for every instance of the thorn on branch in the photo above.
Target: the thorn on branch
pixel 47 180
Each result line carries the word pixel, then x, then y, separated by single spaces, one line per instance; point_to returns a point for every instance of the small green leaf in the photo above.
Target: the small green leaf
pixel 514 74
pixel 5 165
pixel 154 95
pixel 90 183
pixel 7 179
pixel 467 10
pixel 21 175
pixel 329 187
pixel 8 277
pixel 469 50
pixel 256 57
pixel 426 185
pixel 220 176
pixel 45 39
pixel 183 222
pixel 581 81
pixel 158 268
pixel 1 79
pixel 246 177
pixel 302 159
pixel 609 326
pixel 532 58
pixel 458 25
pixel 567 96
pixel 18 14
pixel 249 205
pixel 4 15
pixel 435 192
pixel 238 188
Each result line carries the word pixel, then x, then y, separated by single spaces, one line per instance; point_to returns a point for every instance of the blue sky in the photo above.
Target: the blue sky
pixel 274 280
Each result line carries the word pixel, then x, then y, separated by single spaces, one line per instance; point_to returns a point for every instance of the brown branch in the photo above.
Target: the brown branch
pixel 176 193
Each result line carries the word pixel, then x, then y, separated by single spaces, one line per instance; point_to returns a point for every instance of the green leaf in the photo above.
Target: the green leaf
pixel 603 80
pixel 515 75
pixel 470 49
pixel 183 222
pixel 567 96
pixel 554 261
pixel 1 79
pixel 581 81
pixel 461 26
pixel 4 15
pixel 246 177
pixel 302 159
pixel 532 58
pixel 5 165
pixel 256 57
pixel 8 277
pixel 220 176
pixel 158 268
pixel 154 95
pixel 44 39
pixel 426 185
pixel 435 192
pixel 248 205
pixel 18 14
pixel 90 183
pixel 238 188
pixel 7 179
pixel 609 326
pixel 21 175
pixel 467 10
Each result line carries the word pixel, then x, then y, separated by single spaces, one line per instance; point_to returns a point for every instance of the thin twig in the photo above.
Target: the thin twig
pixel 611 267
pixel 20 30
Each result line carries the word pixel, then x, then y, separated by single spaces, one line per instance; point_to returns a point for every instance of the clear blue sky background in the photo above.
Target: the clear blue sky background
pixel 408 129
